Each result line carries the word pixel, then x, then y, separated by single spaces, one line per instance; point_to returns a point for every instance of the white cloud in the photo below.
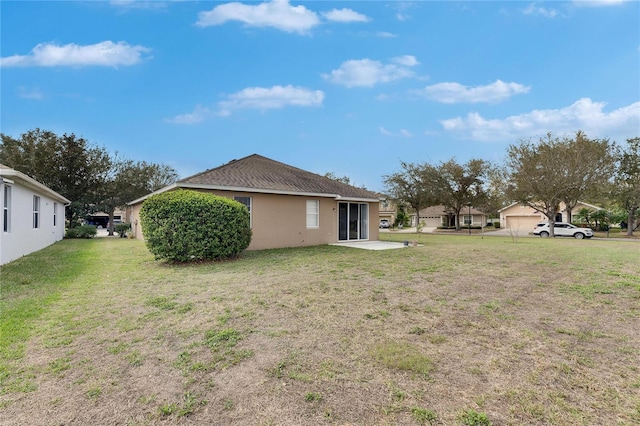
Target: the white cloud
pixel 584 115
pixel 406 60
pixel 385 34
pixel 368 73
pixel 198 115
pixel 139 4
pixel 534 9
pixel 345 15
pixel 34 94
pixel 402 7
pixel 401 133
pixel 451 93
pixel 385 131
pixel 277 14
pixel 106 53
pixel 271 98
pixel 261 98
pixel 597 3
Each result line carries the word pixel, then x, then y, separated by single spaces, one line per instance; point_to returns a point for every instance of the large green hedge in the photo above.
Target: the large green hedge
pixel 186 226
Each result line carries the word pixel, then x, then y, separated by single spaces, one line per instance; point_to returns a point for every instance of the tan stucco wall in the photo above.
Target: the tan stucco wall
pixel 281 220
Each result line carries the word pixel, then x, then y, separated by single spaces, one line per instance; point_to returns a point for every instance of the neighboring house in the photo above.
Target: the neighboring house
pixel 519 216
pixel 387 209
pixel 435 216
pixel 289 207
pixel 32 215
pixel 101 219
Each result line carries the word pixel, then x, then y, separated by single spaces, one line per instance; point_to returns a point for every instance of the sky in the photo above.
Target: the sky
pixel 354 88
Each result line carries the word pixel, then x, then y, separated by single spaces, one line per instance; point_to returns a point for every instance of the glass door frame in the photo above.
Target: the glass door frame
pixel 352 228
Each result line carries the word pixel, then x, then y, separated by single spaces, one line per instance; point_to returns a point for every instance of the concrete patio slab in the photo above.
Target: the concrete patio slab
pixel 371 245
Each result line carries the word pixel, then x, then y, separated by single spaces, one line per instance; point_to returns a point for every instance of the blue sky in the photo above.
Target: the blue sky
pixel 352 88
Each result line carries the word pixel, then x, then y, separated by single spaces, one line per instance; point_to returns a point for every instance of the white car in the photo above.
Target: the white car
pixel 561 229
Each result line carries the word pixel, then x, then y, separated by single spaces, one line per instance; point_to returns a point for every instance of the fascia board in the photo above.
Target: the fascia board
pixel 33 184
pixel 248 190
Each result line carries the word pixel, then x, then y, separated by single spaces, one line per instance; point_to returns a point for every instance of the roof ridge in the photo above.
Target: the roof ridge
pixel 217 167
pixel 259 172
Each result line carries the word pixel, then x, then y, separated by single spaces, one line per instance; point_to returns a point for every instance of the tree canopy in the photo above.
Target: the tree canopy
pixel 413 185
pixel 450 184
pixel 556 170
pixel 460 185
pixel 86 174
pixel 627 180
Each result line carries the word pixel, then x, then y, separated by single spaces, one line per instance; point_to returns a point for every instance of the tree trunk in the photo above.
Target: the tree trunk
pixel 631 221
pixel 110 225
pixel 552 223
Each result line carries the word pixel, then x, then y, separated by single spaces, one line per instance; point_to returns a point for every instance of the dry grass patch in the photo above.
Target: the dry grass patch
pixel 460 329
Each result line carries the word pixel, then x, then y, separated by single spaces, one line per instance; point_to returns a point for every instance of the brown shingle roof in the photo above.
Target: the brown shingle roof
pixel 256 172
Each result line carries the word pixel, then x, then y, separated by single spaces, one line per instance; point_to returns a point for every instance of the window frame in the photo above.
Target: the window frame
pixel 36 212
pixel 249 206
pixel 6 208
pixel 311 214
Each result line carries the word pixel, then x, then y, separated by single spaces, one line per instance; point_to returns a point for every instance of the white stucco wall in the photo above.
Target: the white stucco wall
pixel 22 238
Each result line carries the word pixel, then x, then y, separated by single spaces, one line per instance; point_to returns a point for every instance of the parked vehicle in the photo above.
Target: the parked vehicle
pixel 561 229
pixel 384 223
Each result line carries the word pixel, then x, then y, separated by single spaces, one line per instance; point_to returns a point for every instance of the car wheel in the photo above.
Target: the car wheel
pixel 544 234
pixel 579 235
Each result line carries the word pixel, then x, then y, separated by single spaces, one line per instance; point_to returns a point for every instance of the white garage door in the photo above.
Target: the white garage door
pixel 522 222
pixel 431 221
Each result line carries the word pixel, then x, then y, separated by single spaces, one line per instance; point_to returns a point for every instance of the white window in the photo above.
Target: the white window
pixel 36 212
pixel 55 214
pixel 6 209
pixel 246 201
pixel 313 213
pixel 467 219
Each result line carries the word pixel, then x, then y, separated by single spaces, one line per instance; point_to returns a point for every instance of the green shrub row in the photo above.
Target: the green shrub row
pixel 122 229
pixel 84 231
pixel 185 226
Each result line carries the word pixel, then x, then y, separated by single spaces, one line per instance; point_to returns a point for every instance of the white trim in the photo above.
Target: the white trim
pixel 31 183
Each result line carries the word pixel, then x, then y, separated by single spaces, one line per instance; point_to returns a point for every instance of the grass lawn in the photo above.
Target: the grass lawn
pixel 459 330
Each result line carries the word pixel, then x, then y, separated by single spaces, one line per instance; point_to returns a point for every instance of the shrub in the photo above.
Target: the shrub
pixel 185 226
pixel 497 225
pixel 122 229
pixel 84 231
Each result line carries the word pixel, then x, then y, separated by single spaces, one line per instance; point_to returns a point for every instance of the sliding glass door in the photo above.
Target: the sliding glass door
pixel 353 221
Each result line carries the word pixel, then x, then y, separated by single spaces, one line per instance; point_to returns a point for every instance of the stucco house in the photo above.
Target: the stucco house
pixel 289 207
pixel 519 216
pixel 435 216
pixel 387 209
pixel 32 215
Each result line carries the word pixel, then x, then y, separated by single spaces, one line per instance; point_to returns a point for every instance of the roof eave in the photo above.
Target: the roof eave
pixel 159 191
pixel 33 184
pixel 187 185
